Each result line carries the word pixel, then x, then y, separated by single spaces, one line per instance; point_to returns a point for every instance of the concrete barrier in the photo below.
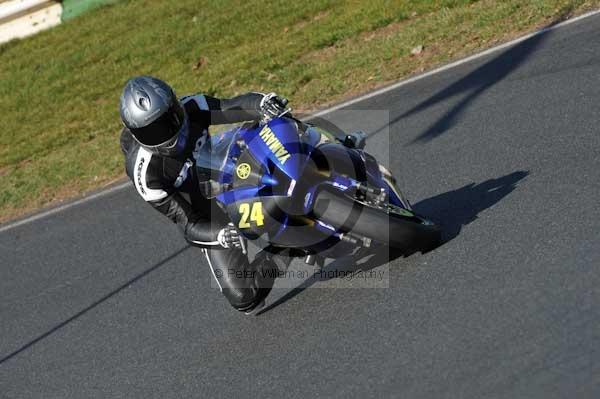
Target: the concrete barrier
pixel 21 18
pixel 12 7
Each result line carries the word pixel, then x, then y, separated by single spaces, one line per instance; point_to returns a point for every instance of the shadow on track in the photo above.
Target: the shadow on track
pixel 473 85
pixel 457 208
pixel 92 306
pixel 477 82
pixel 452 210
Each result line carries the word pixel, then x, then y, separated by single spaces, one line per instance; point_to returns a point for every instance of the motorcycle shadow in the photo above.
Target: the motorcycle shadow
pixel 452 210
pixel 458 208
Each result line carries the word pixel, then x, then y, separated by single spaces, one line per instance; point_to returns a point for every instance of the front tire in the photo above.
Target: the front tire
pixel 385 224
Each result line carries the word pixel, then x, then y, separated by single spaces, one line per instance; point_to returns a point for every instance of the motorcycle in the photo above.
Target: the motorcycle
pixel 288 185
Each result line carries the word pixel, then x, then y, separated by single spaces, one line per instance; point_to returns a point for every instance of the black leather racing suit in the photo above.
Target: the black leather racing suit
pixel 156 179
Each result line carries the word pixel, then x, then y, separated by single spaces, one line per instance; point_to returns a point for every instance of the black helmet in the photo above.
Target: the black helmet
pixel 153 114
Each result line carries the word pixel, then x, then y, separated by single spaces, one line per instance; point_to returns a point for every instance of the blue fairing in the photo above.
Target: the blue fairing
pixel 278 145
pixel 275 144
pixel 278 142
pixel 285 179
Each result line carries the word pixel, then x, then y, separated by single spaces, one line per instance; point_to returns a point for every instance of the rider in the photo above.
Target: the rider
pixel 158 141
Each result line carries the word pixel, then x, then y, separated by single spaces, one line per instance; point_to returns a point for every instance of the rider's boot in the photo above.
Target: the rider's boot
pixel 276 263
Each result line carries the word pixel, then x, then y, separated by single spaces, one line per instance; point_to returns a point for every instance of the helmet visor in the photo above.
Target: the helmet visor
pixel 162 130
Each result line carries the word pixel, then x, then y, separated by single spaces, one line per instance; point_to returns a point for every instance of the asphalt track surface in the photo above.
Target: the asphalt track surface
pixel 104 299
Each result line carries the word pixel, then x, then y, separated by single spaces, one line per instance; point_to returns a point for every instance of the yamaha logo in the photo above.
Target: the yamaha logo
pixel 243 171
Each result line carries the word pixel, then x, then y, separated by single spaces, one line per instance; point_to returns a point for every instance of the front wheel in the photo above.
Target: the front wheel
pixel 385 223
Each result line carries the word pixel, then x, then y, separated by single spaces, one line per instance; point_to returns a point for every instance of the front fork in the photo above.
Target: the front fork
pixel 390 180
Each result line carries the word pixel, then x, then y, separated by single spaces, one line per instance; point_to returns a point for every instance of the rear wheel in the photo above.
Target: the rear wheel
pixel 384 223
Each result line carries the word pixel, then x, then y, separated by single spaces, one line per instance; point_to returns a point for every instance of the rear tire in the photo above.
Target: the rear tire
pixel 381 224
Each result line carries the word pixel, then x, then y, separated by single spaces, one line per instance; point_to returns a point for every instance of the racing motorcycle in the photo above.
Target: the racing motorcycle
pixel 289 184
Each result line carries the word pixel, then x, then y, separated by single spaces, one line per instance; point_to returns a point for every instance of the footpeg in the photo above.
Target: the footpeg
pixel 356 240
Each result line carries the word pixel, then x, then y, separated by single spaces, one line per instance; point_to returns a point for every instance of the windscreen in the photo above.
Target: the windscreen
pixel 212 160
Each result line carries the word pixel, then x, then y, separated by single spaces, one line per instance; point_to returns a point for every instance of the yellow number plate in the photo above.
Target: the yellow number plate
pixel 251 213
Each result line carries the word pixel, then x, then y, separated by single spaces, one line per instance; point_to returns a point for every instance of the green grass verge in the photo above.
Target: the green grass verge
pixel 59 90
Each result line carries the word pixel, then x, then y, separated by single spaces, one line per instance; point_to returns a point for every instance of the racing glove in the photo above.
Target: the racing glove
pixel 229 237
pixel 272 106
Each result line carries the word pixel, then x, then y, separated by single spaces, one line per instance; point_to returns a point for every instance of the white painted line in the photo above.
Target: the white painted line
pixel 324 112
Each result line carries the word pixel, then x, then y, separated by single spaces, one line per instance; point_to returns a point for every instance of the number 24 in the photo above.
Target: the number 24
pixel 255 214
